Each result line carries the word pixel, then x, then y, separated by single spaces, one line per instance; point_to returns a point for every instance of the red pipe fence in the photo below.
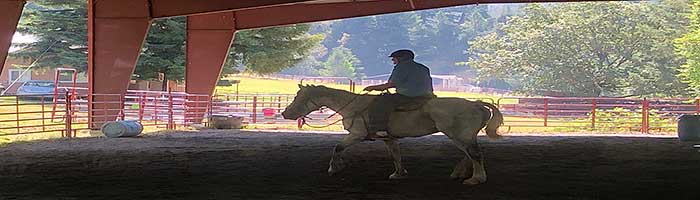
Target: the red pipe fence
pixel 170 110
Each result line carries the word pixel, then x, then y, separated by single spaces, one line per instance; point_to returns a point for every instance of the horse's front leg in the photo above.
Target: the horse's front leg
pixel 337 164
pixel 392 146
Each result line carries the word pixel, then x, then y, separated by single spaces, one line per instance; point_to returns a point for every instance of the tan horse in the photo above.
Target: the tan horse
pixel 459 119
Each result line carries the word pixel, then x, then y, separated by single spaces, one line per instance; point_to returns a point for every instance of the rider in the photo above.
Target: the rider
pixel 411 80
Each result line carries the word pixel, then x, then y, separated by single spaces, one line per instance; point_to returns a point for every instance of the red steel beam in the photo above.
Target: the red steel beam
pixel 301 13
pixel 116 31
pixel 170 8
pixel 12 10
pixel 209 38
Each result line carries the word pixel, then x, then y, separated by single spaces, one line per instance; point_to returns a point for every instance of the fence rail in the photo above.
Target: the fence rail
pixel 617 114
pixel 169 110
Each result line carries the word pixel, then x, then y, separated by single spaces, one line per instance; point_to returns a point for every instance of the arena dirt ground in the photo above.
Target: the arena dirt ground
pixel 279 165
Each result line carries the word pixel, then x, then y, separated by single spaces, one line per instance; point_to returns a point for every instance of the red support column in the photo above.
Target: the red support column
pixel 209 38
pixel 11 11
pixel 116 31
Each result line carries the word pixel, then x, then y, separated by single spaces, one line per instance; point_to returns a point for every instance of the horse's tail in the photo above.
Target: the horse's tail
pixel 495 121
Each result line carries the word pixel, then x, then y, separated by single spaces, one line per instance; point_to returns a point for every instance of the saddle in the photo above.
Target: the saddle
pixel 406 105
pixel 414 104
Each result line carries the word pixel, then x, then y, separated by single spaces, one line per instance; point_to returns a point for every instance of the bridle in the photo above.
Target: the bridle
pixel 305 117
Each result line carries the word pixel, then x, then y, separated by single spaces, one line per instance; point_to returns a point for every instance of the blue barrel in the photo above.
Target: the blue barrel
pixel 689 128
pixel 127 128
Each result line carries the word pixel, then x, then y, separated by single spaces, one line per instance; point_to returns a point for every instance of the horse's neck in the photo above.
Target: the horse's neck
pixel 346 103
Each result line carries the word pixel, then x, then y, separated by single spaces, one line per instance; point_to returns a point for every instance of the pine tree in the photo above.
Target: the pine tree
pixel 60 29
pixel 271 50
pixel 341 63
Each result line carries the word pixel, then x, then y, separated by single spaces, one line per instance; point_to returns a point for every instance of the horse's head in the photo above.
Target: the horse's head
pixel 303 104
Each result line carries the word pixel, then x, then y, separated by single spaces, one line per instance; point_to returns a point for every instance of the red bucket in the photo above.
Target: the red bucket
pixel 268 112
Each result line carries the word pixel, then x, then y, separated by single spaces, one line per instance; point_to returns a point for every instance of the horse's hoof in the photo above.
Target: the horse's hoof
pixel 473 181
pixel 495 138
pixel 397 176
pixel 332 171
pixel 457 177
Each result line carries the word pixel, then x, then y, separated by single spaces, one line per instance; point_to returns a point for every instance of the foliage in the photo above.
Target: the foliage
pixel 312 64
pixel 372 39
pixel 271 50
pixel 309 66
pixel 439 37
pixel 341 63
pixel 586 49
pixel 60 30
pixel 689 47
pixel 163 51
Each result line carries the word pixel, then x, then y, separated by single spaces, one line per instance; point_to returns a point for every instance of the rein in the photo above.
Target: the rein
pixel 303 118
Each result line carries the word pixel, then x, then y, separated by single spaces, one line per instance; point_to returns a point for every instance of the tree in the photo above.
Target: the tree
pixel 60 30
pixel 586 49
pixel 439 37
pixel 271 50
pixel 689 47
pixel 341 63
pixel 163 51
pixel 311 65
pixel 372 39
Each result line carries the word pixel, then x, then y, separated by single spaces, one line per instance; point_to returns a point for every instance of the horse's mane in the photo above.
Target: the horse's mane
pixel 320 90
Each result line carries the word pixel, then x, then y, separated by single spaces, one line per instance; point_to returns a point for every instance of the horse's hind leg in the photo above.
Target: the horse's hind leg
pixel 460 171
pixel 464 137
pixel 392 146
pixel 478 172
pixel 336 164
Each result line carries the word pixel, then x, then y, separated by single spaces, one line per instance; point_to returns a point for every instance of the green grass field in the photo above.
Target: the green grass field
pixel 250 85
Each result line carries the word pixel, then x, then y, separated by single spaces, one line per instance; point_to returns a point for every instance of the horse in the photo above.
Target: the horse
pixel 459 119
